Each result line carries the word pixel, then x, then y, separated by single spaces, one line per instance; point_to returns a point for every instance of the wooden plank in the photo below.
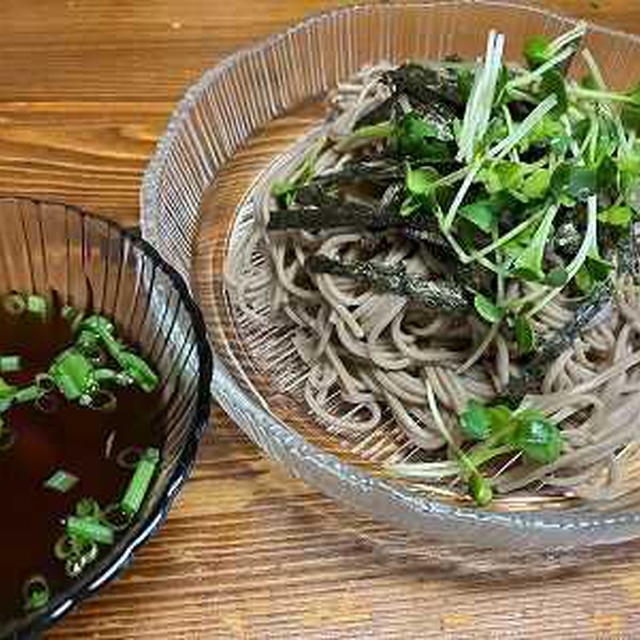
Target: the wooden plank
pixel 85 90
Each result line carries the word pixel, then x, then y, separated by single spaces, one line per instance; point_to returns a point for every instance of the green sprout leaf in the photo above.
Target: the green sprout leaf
pixel 525 335
pixel 487 309
pixel 502 176
pixel 557 277
pixel 599 269
pixel 618 216
pixel 607 174
pixel 420 181
pixel 284 192
pixel 475 421
pixel 529 263
pixel 539 439
pixel 536 185
pixel 464 80
pixel 574 181
pixel 536 51
pixel 480 489
pixel 481 214
pixel 553 83
pixel 372 131
pixel 417 138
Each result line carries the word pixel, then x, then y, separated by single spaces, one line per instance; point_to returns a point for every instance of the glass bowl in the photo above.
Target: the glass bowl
pixel 224 136
pixel 45 246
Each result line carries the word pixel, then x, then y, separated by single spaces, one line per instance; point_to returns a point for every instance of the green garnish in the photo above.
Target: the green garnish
pixel 14 304
pixel 480 489
pixel 502 432
pixel 482 214
pixel 415 137
pixel 134 366
pixel 618 216
pixel 475 421
pixel 537 438
pixel 36 593
pixel 519 185
pixel 88 528
pixel 10 364
pixel 486 309
pixel 88 508
pixel 139 483
pixel 420 181
pixel 529 264
pixel 37 306
pixel 64 547
pixel 525 335
pixel 61 481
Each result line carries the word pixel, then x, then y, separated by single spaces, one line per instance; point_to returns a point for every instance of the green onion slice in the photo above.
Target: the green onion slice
pixel 36 592
pixel 61 481
pixel 139 483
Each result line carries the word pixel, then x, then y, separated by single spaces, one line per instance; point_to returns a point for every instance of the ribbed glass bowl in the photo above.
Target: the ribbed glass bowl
pixel 45 246
pixel 196 201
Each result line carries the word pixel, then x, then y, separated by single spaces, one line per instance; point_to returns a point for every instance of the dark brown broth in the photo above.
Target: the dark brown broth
pixel 72 438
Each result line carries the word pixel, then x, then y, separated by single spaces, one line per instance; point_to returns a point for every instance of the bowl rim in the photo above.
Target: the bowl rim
pixel 591 527
pixel 118 558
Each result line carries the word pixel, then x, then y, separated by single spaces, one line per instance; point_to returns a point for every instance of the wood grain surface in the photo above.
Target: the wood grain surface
pixel 86 87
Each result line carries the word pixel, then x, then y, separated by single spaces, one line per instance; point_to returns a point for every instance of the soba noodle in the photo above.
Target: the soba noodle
pixel 367 351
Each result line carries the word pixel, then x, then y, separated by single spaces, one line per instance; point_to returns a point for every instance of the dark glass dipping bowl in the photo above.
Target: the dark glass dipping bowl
pixel 45 246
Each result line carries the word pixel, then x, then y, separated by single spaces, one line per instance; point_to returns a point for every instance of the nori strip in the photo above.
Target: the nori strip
pixel 434 294
pixel 427 87
pixel 320 210
pixel 376 171
pixel 552 348
pixel 627 251
pixel 428 92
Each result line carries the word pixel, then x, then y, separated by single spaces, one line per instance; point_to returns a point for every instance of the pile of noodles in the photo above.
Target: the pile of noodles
pixel 369 352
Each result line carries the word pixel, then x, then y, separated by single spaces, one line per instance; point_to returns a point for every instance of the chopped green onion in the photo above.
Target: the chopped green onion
pixel 89 529
pixel 61 481
pixel 14 304
pixel 73 316
pixel 37 306
pixel 27 394
pixel 64 547
pixel 10 364
pixel 88 508
pixel 73 375
pixel 139 484
pixel 36 593
pixel 134 366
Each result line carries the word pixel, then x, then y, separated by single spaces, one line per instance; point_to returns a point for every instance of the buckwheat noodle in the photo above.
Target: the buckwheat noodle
pixel 368 351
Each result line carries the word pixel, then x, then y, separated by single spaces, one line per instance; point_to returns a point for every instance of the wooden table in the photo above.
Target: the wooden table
pixel 86 87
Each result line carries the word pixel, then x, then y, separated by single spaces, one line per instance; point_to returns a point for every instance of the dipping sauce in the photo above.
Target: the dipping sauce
pixel 55 451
